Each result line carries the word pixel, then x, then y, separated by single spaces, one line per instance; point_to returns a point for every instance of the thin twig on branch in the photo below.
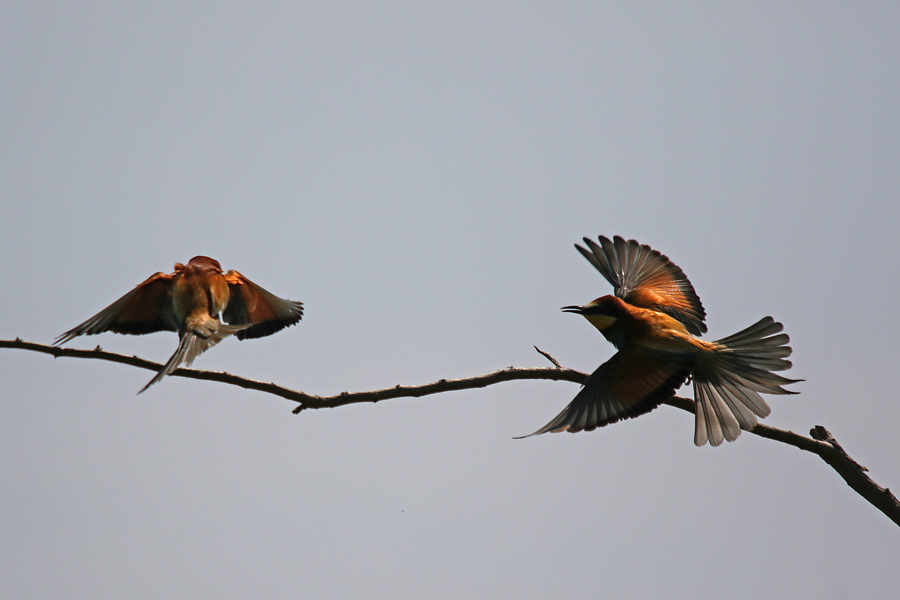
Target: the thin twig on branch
pixel 548 357
pixel 821 442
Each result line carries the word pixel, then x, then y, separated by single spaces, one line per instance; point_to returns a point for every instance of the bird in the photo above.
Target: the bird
pixel 655 319
pixel 200 302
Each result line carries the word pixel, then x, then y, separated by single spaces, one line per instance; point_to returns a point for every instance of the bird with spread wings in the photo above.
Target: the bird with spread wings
pixel 201 303
pixel 654 319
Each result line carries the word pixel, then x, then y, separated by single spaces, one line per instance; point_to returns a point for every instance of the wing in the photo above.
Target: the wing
pixel 646 278
pixel 629 384
pixel 266 312
pixel 145 309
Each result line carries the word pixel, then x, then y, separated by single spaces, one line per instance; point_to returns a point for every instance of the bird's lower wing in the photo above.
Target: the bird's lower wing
pixel 631 383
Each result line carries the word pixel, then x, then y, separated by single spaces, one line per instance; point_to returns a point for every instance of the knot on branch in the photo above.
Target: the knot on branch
pixel 823 435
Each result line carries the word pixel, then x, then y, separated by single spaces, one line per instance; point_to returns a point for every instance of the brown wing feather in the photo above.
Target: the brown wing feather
pixel 628 385
pixel 250 303
pixel 145 309
pixel 646 278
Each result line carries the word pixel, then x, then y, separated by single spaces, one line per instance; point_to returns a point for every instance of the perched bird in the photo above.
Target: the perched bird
pixel 653 320
pixel 194 300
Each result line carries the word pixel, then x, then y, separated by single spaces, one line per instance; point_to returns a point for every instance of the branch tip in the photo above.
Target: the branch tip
pixel 548 357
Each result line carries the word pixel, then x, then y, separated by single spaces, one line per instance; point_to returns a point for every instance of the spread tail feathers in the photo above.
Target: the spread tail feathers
pixel 191 346
pixel 728 384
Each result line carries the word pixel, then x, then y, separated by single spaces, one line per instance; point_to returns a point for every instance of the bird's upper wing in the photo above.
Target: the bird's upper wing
pixel 250 303
pixel 145 309
pixel 631 383
pixel 646 278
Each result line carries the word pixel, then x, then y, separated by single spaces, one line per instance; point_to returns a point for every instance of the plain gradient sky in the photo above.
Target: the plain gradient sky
pixel 417 174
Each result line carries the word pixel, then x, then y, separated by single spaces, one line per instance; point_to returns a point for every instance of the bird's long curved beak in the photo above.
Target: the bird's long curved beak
pixel 573 309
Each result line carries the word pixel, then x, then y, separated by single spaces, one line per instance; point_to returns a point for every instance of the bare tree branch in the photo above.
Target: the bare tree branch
pixel 308 400
pixel 821 442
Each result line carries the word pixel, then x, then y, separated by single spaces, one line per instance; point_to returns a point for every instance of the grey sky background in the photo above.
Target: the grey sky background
pixel 416 174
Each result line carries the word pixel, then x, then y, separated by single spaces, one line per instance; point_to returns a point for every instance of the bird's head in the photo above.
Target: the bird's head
pixel 602 312
pixel 205 262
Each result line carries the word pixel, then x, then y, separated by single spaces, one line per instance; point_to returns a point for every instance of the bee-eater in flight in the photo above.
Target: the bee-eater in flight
pixel 194 301
pixel 654 320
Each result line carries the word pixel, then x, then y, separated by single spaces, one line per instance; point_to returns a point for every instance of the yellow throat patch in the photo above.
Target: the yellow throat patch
pixel 601 322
